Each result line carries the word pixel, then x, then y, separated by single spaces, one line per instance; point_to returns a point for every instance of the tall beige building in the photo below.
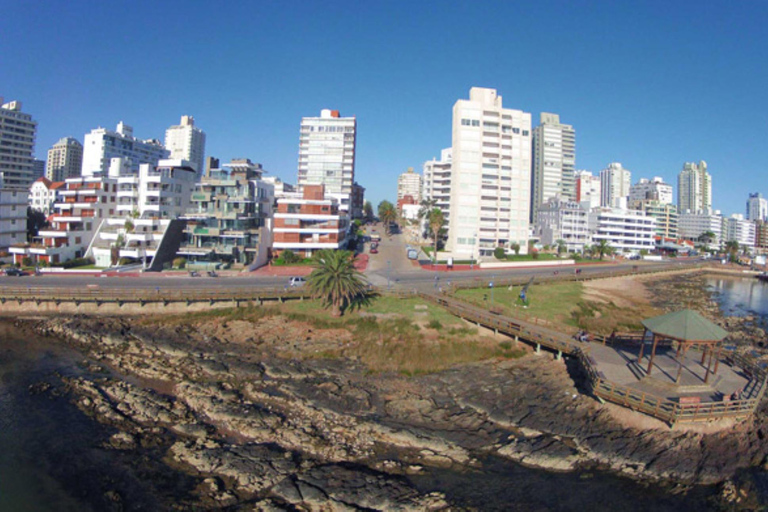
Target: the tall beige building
pixel 409 184
pixel 694 188
pixel 65 160
pixel 554 161
pixel 491 176
pixel 615 182
pixel 17 143
pixel 185 141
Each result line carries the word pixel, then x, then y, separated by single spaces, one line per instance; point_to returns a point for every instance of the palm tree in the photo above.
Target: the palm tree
pixel 336 281
pixel 435 220
pixel 368 211
pixel 602 248
pixel 387 214
pixel 561 246
pixel 732 248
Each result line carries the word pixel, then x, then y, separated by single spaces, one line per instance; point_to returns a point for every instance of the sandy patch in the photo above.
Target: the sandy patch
pixel 625 292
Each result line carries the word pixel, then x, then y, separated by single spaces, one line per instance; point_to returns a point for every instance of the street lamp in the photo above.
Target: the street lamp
pixel 472 253
pixel 389 269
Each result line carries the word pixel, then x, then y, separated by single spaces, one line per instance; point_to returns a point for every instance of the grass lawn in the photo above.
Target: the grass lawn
pixel 551 302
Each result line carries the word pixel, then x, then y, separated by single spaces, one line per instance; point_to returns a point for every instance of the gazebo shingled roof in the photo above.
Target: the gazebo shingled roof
pixel 686 326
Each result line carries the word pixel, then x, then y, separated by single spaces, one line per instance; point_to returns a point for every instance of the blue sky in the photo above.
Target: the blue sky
pixel 649 84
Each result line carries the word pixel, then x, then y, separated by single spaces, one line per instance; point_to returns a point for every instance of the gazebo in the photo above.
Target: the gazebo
pixel 688 328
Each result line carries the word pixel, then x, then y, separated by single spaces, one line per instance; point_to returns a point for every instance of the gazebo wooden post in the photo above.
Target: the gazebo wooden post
pixel 704 354
pixel 717 359
pixel 642 345
pixel 709 366
pixel 653 353
pixel 680 364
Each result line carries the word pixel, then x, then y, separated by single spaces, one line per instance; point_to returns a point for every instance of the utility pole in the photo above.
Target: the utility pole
pixel 389 270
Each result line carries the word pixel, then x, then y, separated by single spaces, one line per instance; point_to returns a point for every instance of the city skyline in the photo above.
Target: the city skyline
pixel 638 87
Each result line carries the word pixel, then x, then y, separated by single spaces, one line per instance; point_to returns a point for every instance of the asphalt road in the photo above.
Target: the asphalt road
pixel 390 265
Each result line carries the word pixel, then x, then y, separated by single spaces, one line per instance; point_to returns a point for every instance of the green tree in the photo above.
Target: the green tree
pixel 387 214
pixel 732 248
pixel 561 246
pixel 435 221
pixel 336 281
pixel 515 247
pixel 602 248
pixel 35 222
pixel 499 253
pixel 368 211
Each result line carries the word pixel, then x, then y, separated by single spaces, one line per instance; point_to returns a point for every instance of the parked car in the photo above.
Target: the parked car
pixel 13 271
pixel 296 282
pixel 374 250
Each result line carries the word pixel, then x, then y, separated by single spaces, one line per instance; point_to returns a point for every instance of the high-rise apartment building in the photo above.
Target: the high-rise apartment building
pixel 185 141
pixel 327 154
pixel 17 143
pixel 102 145
pixel 409 184
pixel 554 161
pixel 65 160
pixel 587 188
pixel 614 186
pixel 694 188
pixel 491 176
pixel 654 189
pixel 757 207
pixel 436 183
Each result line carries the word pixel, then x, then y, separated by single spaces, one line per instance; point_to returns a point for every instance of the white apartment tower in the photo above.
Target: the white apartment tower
pixel 654 189
pixel 757 207
pixel 436 185
pixel 102 145
pixel 491 176
pixel 327 153
pixel 554 161
pixel 694 188
pixel 409 184
pixel 17 143
pixel 185 141
pixel 65 160
pixel 614 186
pixel 587 188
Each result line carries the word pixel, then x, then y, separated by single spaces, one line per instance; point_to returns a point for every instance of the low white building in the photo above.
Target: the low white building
pixel 43 194
pixel 588 188
pixel 13 217
pixel 627 231
pixel 692 225
pixel 558 219
pixel 654 189
pixel 148 204
pixel 738 229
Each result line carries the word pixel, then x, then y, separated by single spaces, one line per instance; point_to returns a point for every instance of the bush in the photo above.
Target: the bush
pixel 288 256
pixel 125 261
pixel 435 324
pixel 499 253
pixel 26 261
pixel 78 262
pixel 179 263
pixel 535 255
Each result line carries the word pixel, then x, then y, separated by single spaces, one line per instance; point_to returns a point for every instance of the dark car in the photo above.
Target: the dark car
pixel 13 271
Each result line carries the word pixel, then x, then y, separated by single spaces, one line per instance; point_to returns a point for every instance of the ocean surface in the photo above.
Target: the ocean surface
pixel 52 456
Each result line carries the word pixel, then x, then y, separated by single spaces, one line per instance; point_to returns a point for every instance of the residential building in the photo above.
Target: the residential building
pixel 665 214
pixel 38 168
pixel 229 221
pixel 554 161
pixel 614 186
pixel 436 183
pixel 761 236
pixel 309 221
pixel 692 225
pixel 654 189
pixel 279 185
pixel 43 194
pixel 17 144
pixel 84 203
pixel 737 229
pixel 357 201
pixel 558 219
pixel 102 145
pixel 13 217
pixel 409 184
pixel 327 154
pixel 185 141
pixel 145 223
pixel 491 176
pixel 65 160
pixel 694 188
pixel 588 188
pixel 627 231
pixel 757 207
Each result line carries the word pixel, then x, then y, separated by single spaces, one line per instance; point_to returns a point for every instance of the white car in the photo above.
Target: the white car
pixel 296 282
